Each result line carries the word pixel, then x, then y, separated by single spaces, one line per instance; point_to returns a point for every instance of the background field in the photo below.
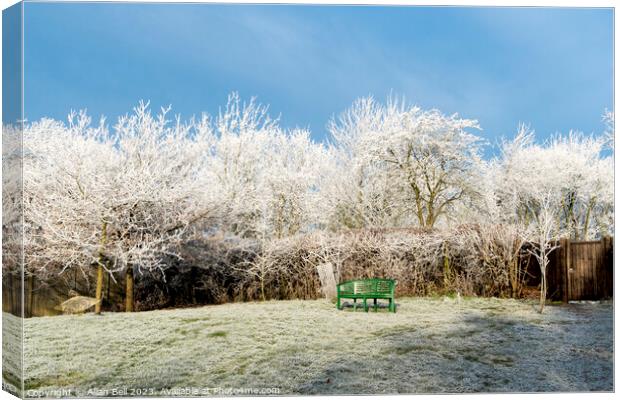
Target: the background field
pixel 430 345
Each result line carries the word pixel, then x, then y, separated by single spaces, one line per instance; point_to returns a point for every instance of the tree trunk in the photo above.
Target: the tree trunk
pixel 108 288
pixel 99 289
pixel 262 288
pixel 543 292
pixel 446 267
pixel 31 295
pixel 587 219
pixel 129 289
pixel 9 279
pixel 513 273
pixel 543 279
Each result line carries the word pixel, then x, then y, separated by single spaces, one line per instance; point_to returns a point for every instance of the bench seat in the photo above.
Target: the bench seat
pixel 365 289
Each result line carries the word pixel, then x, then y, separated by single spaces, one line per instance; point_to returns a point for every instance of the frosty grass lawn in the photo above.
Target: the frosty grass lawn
pixel 430 345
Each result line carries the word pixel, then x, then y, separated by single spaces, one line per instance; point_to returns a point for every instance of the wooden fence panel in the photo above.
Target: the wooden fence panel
pixel 582 270
pixel 607 270
pixel 577 270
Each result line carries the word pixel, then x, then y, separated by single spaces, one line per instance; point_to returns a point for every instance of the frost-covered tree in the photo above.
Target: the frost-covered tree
pixel 422 162
pixel 117 200
pixel 573 166
pixel 13 246
pixel 64 225
pixel 544 232
pixel 609 121
pixel 291 179
pixel 268 177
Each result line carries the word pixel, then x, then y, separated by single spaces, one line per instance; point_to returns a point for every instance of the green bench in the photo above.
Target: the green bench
pixel 367 289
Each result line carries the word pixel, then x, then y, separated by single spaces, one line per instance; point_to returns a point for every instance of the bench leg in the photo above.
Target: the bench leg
pixel 392 307
pixel 338 304
pixel 354 305
pixel 365 305
pixel 375 301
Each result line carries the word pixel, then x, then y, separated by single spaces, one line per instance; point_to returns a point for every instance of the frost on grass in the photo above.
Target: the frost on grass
pixel 11 353
pixel 429 346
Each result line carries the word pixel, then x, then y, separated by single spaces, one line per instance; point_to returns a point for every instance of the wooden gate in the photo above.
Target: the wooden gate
pixel 577 270
pixel 589 270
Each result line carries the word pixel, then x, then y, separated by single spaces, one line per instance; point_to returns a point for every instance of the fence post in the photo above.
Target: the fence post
pixel 328 281
pixel 564 268
pixel 608 260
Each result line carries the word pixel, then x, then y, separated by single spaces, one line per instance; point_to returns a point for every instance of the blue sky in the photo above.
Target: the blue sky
pixel 550 67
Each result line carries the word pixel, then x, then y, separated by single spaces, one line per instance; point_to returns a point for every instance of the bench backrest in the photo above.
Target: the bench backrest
pixel 367 286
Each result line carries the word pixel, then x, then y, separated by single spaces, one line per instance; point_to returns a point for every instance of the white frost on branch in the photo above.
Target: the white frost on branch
pixel 403 165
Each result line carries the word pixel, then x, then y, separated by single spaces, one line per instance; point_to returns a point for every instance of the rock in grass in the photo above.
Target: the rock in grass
pixel 77 305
